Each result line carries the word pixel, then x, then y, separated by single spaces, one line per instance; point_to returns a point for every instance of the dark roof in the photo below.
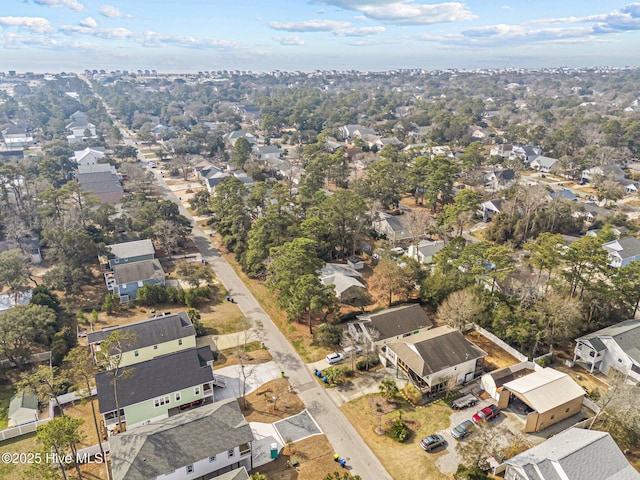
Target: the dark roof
pixel 104 185
pixel 506 175
pixel 156 377
pixel 398 320
pixel 564 193
pixel 14 130
pixel 152 331
pixel 138 271
pixel 137 248
pixel 434 350
pixel 162 447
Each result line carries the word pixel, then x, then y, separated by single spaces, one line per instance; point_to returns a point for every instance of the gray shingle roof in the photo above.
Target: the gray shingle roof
pixel 626 334
pixel 138 271
pixel 184 439
pixel 132 249
pixel 156 377
pixel 151 331
pixel 398 320
pixel 434 350
pixel 578 454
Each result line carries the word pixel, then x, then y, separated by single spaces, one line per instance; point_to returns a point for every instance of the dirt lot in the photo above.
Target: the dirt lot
pixel 497 357
pixel 254 354
pixel 260 405
pixel 314 454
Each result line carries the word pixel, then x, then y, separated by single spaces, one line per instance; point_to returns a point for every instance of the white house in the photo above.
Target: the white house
pixel 544 164
pixel 425 250
pixel 88 156
pixel 623 251
pixel 78 129
pixel 16 137
pixel 202 443
pixel 432 358
pixel 614 347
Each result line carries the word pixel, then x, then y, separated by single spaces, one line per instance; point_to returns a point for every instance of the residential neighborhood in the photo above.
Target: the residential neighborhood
pixel 222 275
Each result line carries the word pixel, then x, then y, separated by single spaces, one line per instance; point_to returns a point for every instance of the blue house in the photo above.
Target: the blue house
pixel 132 265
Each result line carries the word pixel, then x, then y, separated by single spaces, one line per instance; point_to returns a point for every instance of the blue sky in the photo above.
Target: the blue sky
pixel 265 35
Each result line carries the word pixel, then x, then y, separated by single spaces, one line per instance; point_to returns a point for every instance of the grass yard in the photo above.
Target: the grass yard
pixel 23 444
pixel 6 392
pixel 254 355
pixel 403 461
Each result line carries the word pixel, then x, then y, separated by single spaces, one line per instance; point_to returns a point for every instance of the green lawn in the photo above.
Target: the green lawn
pixel 6 392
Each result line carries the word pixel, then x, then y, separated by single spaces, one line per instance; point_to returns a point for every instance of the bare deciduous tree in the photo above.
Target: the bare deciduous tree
pixel 459 309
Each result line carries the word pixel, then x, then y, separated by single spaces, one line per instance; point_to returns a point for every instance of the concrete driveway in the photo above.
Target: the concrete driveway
pixel 256 375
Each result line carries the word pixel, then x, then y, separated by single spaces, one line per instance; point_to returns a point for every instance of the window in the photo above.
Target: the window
pixel 212 459
pixel 155 347
pixel 136 353
pixel 196 390
pixel 189 468
pixel 140 284
pixel 158 402
pixel 552 417
pixel 567 410
pixel 177 396
pixel 231 453
pixel 179 341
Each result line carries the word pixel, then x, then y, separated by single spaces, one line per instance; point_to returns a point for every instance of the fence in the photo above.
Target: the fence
pixel 508 348
pixel 22 429
pixel 36 357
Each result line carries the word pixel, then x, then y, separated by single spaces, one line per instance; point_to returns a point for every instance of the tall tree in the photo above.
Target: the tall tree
pixel 241 152
pixel 20 329
pixel 61 435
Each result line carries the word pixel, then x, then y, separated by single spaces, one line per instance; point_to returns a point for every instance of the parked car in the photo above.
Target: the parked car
pixel 431 442
pixel 462 430
pixel 152 164
pixel 487 413
pixel 334 358
pixel 348 350
pixel 464 402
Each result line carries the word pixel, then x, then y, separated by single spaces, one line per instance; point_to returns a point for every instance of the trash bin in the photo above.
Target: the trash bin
pixel 274 450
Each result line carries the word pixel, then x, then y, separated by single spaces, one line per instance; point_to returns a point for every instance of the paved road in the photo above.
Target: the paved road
pixel 341 434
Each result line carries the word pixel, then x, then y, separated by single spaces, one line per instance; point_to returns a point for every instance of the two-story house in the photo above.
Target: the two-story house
pixel 153 337
pixel 132 265
pixel 623 251
pixel 614 347
pixel 155 389
pixel 213 441
pixel 432 358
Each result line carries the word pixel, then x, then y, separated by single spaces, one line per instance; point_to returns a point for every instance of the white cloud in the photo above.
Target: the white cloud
pixel 360 31
pixel 289 40
pixel 33 24
pixel 10 40
pixel 315 25
pixel 112 12
pixel 505 7
pixel 406 12
pixel 72 4
pixel 89 22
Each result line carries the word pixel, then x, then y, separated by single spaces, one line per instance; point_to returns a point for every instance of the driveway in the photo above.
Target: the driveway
pixel 298 427
pixel 257 375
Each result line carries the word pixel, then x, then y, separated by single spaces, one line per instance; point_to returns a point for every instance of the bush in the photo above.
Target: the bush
pixel 373 361
pixel 546 361
pixel 327 335
pixel 412 393
pixel 151 294
pixel 399 430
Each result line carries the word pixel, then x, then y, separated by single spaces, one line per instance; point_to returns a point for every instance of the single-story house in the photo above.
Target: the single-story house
pixel 266 152
pixel 23 408
pixel 16 137
pixel 232 137
pixel 425 250
pixel 10 300
pixel 391 324
pixel 432 358
pixel 211 441
pixel 564 194
pixel 550 395
pixel 544 164
pixel 611 170
pixel 395 227
pixel 574 454
pixel 623 251
pixel 617 347
pixel 355 131
pixel 157 388
pixel 491 207
pixel 345 282
pixel 159 335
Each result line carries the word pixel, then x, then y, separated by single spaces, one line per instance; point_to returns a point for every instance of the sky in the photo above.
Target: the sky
pixel 180 36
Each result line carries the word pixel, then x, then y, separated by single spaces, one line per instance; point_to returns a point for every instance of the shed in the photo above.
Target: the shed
pixel 23 408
